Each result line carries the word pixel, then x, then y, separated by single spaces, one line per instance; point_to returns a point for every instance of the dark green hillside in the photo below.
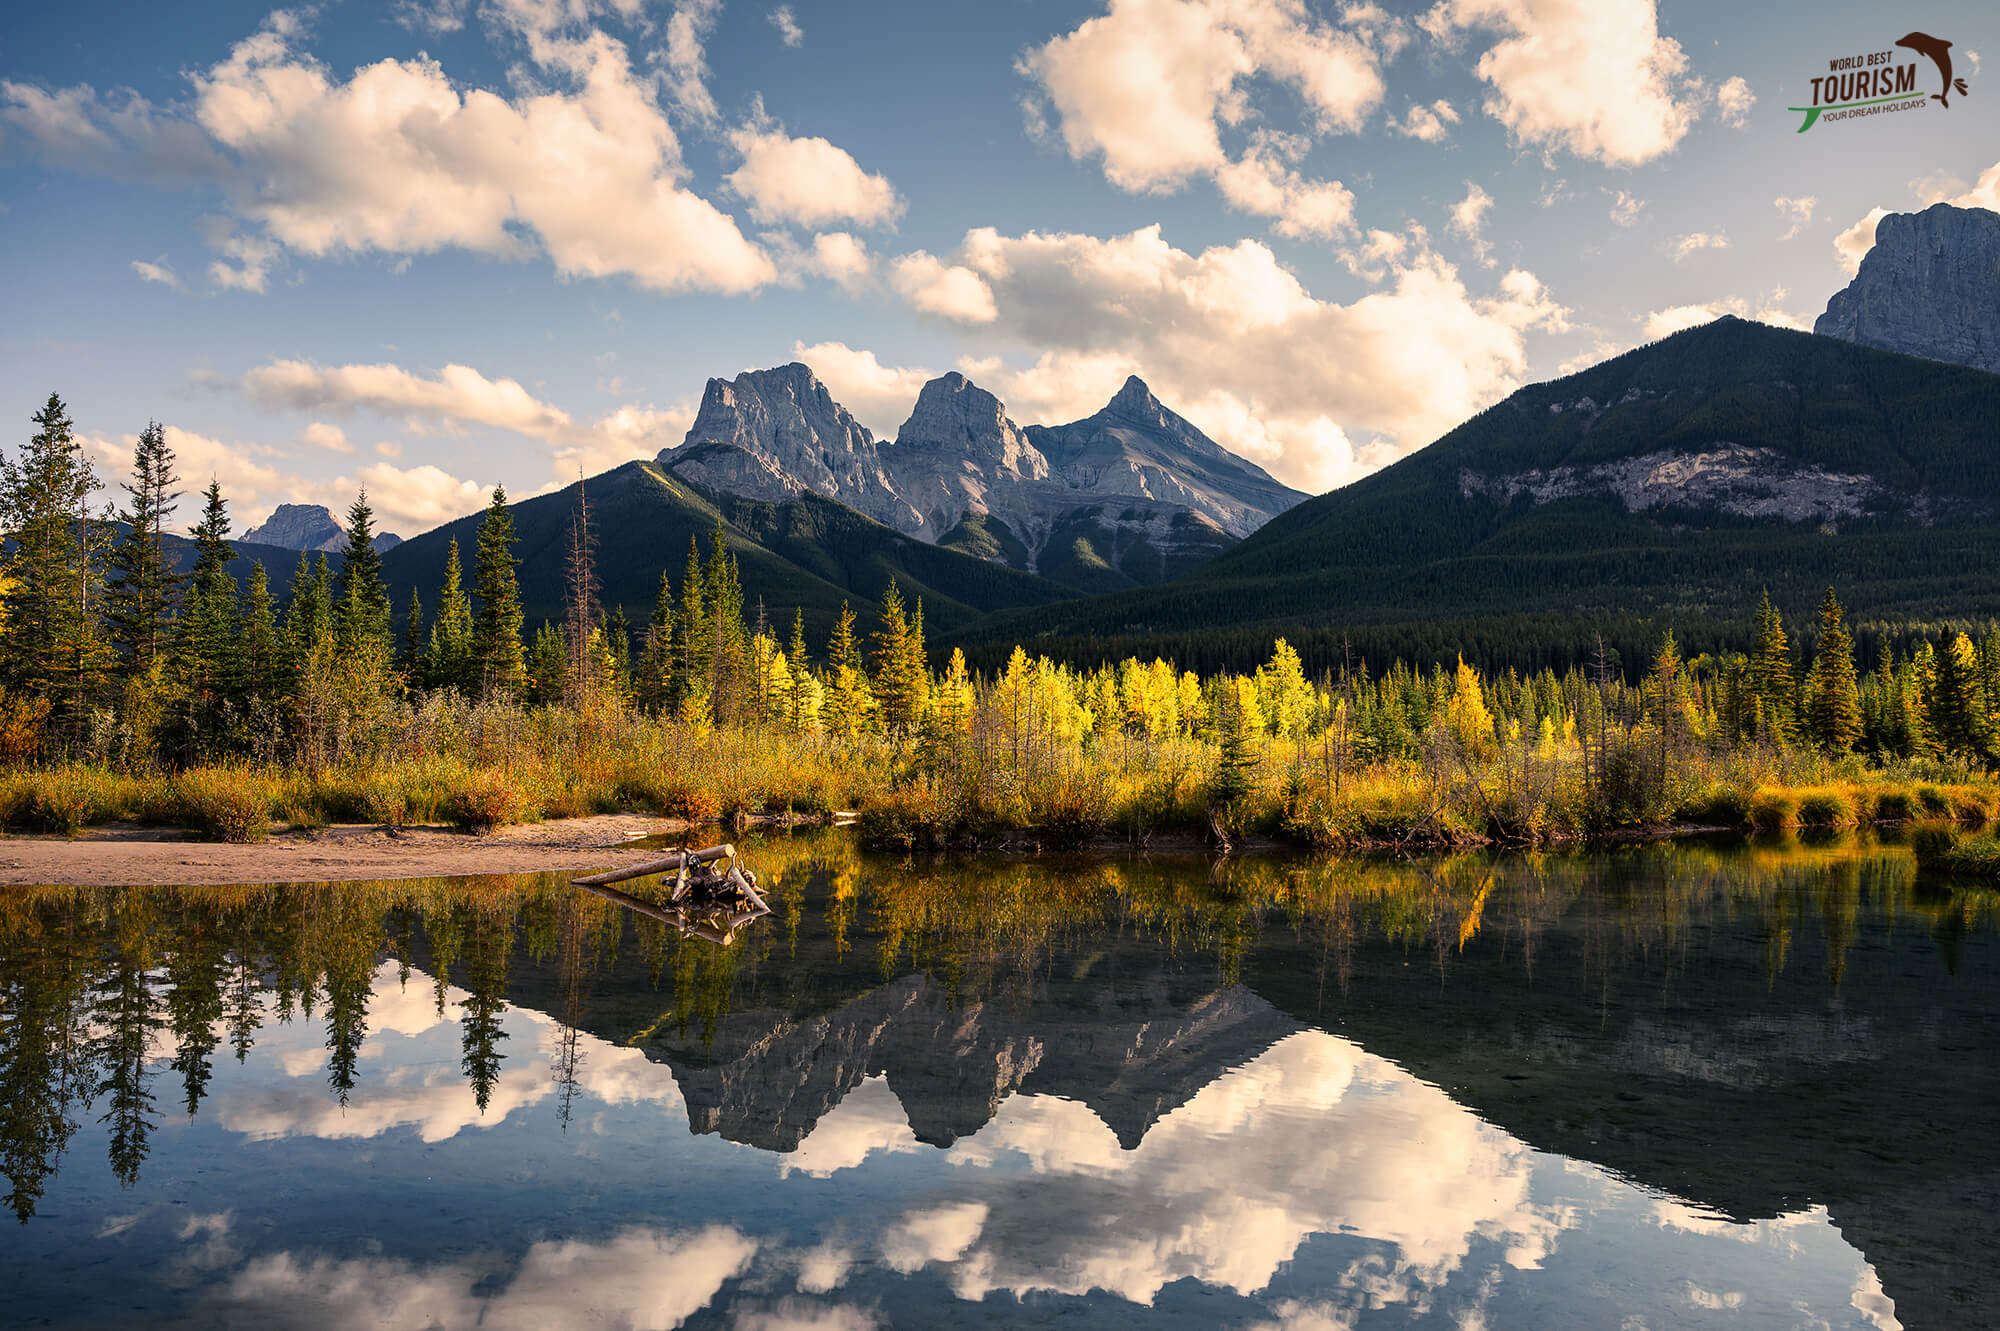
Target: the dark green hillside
pixel 811 553
pixel 1418 562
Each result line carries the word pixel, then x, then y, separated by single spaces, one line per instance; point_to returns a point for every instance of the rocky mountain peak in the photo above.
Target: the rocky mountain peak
pixel 308 527
pixel 775 434
pixel 961 420
pixel 1135 399
pixel 1929 287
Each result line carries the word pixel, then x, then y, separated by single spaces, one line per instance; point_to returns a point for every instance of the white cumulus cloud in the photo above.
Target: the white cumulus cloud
pixel 808 181
pixel 1316 391
pixel 1733 100
pixel 1150 87
pixel 1594 77
pixel 950 291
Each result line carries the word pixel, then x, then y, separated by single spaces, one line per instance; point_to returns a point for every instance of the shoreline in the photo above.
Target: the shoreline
pixel 129 855
pixel 137 855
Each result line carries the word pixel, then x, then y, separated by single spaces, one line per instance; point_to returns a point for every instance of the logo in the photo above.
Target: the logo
pixel 1884 82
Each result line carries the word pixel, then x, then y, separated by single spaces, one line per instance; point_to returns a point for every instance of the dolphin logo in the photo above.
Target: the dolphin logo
pixel 1939 51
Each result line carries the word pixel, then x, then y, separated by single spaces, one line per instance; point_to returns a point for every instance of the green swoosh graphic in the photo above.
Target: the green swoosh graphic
pixel 1813 112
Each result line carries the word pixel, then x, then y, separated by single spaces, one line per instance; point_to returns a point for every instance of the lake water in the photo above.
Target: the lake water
pixel 1670 1086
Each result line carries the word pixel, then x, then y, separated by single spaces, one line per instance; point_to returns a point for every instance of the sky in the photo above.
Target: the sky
pixel 432 246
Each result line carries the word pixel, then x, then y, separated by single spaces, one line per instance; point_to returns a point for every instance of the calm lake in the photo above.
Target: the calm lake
pixel 1742 1085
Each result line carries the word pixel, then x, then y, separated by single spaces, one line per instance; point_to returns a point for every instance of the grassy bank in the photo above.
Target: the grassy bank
pixel 480 767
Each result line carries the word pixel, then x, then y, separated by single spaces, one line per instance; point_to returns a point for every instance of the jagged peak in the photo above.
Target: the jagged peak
pixel 951 409
pixel 1134 398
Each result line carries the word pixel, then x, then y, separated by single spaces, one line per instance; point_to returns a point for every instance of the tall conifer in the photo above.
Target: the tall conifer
pixel 143 588
pixel 54 647
pixel 498 656
pixel 1833 699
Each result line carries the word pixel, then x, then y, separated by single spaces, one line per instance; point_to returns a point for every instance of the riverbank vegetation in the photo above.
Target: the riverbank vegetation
pixel 132 691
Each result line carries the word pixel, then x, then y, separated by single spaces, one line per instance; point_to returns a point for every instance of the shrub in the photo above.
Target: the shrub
pixel 1718 806
pixel 1074 807
pixel 913 818
pixel 1968 808
pixel 484 801
pixel 62 802
pixel 1895 806
pixel 1932 801
pixel 1825 808
pixel 222 805
pixel 1772 811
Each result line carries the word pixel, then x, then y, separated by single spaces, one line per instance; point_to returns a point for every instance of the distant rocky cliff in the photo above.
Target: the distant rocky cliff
pixel 1133 494
pixel 309 527
pixel 1930 287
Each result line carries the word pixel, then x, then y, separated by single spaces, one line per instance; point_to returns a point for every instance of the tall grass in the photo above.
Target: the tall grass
pixel 481 766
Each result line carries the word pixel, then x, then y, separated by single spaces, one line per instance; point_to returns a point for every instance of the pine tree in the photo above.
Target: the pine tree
pixel 618 649
pixel 728 650
pixel 548 667
pixel 696 639
pixel 259 653
pixel 308 615
pixel 413 636
pixel 362 618
pixel 54 646
pixel 847 701
pixel 896 682
pixel 653 681
pixel 448 658
pixel 580 616
pixel 801 667
pixel 1833 706
pixel 498 659
pixel 1956 711
pixel 143 588
pixel 1773 690
pixel 211 535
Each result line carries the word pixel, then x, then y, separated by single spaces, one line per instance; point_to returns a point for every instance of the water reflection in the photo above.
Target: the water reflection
pixel 1683 1084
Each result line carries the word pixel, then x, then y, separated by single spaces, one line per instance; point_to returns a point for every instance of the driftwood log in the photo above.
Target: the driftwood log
pixel 710 902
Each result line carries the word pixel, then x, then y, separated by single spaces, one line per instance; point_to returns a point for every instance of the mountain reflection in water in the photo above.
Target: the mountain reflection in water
pixel 1670 1086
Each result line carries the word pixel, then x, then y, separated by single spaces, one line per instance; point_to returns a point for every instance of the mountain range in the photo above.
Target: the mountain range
pixel 965 509
pixel 1668 485
pixel 1665 486
pixel 1130 496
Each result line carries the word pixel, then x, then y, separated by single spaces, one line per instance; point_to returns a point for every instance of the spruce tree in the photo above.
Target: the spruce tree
pixel 618 648
pixel 580 615
pixel 448 658
pixel 653 681
pixel 696 638
pixel 1773 689
pixel 548 666
pixel 847 700
pixel 1956 713
pixel 212 550
pixel 362 618
pixel 413 637
pixel 895 682
pixel 259 648
pixel 143 588
pixel 1833 699
pixel 498 659
pixel 54 647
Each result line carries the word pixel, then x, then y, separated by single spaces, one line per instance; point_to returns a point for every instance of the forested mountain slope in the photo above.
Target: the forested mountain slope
pixel 1662 488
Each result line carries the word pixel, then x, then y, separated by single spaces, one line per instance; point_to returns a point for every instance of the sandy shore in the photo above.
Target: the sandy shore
pixel 150 856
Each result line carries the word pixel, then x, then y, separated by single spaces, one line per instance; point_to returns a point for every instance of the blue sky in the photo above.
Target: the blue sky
pixel 427 247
